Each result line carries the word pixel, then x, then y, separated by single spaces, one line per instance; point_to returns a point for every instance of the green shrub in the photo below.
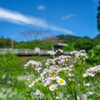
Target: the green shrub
pixel 10 65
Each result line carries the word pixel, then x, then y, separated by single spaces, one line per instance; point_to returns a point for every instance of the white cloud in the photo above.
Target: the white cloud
pixel 15 17
pixel 41 7
pixel 67 17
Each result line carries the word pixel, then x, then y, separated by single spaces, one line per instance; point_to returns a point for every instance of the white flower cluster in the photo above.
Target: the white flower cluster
pixel 92 71
pixel 59 51
pixel 61 60
pixel 51 75
pixel 48 76
pixel 80 53
pixel 58 70
pixel 39 94
pixel 50 62
pixel 34 64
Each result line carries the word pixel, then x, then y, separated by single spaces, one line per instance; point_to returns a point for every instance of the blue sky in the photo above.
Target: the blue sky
pixel 75 17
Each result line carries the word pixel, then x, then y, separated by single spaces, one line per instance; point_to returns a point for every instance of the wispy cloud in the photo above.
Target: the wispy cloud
pixel 18 18
pixel 41 7
pixel 67 17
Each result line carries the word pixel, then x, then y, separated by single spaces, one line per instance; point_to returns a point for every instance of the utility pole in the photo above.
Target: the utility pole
pixel 12 42
pixel 98 16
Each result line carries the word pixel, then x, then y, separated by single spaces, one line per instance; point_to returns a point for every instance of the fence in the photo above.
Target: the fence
pixel 26 51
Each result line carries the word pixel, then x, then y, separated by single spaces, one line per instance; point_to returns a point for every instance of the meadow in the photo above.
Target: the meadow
pixel 57 77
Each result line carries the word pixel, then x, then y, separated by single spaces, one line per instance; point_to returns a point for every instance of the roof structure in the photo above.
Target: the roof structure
pixel 59 46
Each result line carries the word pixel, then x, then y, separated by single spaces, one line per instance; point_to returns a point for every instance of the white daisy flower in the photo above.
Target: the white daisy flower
pixel 57 98
pixel 37 92
pixel 33 82
pixel 94 69
pixel 98 68
pixel 78 98
pixel 41 95
pixel 51 52
pixel 53 87
pixel 87 84
pixel 55 78
pixel 30 86
pixel 88 74
pixel 61 81
pixel 90 93
pixel 84 97
pixel 60 50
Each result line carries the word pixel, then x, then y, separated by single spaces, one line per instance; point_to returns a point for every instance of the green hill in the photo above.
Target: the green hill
pixel 74 42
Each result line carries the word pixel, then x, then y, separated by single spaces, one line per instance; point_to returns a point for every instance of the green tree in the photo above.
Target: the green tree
pixel 84 43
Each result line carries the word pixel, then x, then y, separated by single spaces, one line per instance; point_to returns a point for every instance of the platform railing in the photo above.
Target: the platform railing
pixel 25 51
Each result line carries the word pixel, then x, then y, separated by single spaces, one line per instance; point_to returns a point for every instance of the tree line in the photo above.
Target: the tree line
pixel 74 42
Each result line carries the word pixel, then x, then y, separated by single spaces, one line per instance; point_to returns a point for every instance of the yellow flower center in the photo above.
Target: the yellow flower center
pixel 38 94
pixel 41 95
pixel 77 98
pixel 84 98
pixel 95 69
pixel 88 73
pixel 84 54
pixel 34 82
pixel 53 87
pixel 61 81
pixel 54 78
pixel 47 72
pixel 37 91
pixel 51 52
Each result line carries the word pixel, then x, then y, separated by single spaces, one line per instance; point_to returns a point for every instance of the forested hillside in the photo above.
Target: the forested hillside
pixel 73 42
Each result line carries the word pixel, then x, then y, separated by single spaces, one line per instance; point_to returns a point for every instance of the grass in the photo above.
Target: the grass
pixel 10 87
pixel 14 85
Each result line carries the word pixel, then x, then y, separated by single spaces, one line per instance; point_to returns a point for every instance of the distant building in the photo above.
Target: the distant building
pixel 59 46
